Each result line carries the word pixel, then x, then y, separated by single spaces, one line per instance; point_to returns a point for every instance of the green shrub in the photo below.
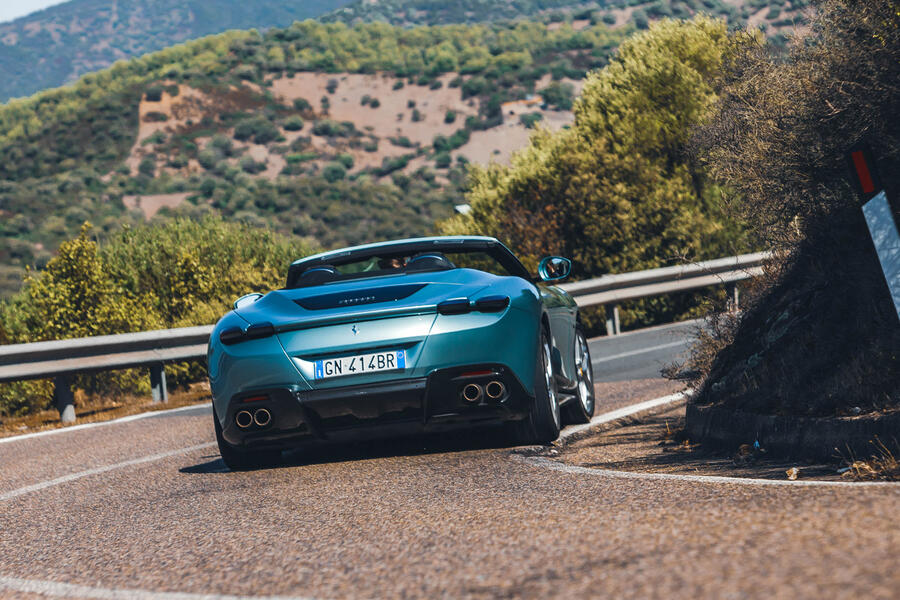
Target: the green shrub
pixel 302 104
pixel 293 123
pixel 531 119
pixel 147 166
pixel 346 160
pixel 259 129
pixel 154 93
pixel 334 172
pixel 442 160
pixel 450 116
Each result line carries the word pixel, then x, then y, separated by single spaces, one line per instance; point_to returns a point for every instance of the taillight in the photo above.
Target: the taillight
pixel 233 335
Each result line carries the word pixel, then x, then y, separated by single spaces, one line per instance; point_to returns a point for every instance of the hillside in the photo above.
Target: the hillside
pixel 776 17
pixel 56 45
pixel 344 135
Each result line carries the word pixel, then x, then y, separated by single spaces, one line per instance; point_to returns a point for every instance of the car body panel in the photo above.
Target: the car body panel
pixel 380 313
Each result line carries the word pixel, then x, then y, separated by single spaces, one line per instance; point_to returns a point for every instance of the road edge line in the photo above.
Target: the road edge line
pixel 83 426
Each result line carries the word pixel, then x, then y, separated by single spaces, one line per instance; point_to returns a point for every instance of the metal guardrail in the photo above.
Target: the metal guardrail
pixel 610 290
pixel 60 359
pixel 63 358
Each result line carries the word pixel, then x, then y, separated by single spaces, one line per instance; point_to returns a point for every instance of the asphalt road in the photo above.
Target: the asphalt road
pixel 145 509
pixel 640 354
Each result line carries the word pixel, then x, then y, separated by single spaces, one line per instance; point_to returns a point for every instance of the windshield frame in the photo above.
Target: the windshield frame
pixel 489 246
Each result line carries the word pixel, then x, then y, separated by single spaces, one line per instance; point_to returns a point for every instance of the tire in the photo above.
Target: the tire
pixel 581 409
pixel 243 460
pixel 543 423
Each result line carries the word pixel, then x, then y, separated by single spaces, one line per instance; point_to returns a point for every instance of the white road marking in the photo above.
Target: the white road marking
pixel 96 471
pixel 71 428
pixel 541 461
pixel 68 590
pixel 641 351
pixel 623 412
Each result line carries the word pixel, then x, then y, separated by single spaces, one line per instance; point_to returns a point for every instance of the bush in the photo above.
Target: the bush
pixel 374 103
pixel 346 160
pixel 331 86
pixel 616 192
pixel 560 96
pixel 260 129
pixel 147 167
pixel 302 104
pixel 442 160
pixel 822 336
pixel 531 119
pixel 154 93
pixel 249 165
pixel 334 172
pixel 398 85
pixel 450 116
pixel 294 123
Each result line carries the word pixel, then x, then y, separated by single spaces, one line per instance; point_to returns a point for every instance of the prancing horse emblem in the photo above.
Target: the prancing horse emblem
pixel 354 330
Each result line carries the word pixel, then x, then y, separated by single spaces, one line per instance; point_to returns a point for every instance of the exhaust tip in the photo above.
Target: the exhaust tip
pixel 262 417
pixel 243 419
pixel 495 390
pixel 472 392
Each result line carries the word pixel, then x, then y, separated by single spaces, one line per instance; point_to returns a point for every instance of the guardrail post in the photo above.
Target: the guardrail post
pixel 158 384
pixel 612 319
pixel 734 297
pixel 65 400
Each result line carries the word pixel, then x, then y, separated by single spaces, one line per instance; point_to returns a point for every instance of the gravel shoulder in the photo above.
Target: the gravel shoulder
pixel 656 444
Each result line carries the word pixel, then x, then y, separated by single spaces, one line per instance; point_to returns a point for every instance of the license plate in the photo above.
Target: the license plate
pixel 392 360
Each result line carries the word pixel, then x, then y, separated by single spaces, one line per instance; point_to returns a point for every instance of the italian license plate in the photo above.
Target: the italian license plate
pixel 392 360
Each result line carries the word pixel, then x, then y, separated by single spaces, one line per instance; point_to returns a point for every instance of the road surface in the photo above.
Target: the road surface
pixel 145 509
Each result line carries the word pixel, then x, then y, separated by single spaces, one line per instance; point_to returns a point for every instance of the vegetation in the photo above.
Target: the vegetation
pixel 64 152
pixel 822 337
pixel 616 192
pixel 54 46
pixel 778 16
pixel 177 274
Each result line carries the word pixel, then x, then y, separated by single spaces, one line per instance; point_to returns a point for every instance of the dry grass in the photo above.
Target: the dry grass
pixel 882 465
pixel 94 409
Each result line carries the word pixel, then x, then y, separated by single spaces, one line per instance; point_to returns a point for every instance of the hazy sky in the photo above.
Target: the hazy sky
pixel 10 9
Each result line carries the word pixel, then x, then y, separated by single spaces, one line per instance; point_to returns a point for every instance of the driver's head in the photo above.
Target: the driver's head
pixel 394 262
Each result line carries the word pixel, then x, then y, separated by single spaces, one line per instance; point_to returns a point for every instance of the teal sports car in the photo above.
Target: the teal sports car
pixel 398 338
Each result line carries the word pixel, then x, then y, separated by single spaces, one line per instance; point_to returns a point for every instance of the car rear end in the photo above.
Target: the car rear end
pixel 382 357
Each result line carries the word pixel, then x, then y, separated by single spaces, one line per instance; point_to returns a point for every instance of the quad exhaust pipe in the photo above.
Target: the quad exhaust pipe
pixel 243 419
pixel 472 393
pixel 261 417
pixel 495 390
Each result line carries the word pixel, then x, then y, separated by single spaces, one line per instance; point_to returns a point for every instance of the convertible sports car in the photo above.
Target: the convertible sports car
pixel 395 338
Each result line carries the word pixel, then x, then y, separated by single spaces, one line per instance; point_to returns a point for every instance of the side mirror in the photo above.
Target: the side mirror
pixel 554 268
pixel 247 300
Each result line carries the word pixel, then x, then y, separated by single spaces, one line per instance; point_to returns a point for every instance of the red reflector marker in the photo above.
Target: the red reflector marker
pixel 477 373
pixel 255 398
pixel 862 171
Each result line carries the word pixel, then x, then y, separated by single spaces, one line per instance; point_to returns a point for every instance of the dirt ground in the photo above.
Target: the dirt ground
pixel 656 444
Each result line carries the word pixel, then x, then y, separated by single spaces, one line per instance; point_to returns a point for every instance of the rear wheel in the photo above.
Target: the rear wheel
pixel 238 459
pixel 543 422
pixel 581 409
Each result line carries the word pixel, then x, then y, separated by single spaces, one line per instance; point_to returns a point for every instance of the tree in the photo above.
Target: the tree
pixel 616 192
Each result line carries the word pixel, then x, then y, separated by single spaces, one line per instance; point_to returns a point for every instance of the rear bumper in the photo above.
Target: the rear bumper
pixel 378 410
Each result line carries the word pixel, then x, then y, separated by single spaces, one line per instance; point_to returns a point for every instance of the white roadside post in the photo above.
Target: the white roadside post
pixel 879 218
pixel 884 234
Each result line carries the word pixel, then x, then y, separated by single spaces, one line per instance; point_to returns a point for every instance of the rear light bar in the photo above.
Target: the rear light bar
pixel 254 399
pixel 459 306
pixel 234 335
